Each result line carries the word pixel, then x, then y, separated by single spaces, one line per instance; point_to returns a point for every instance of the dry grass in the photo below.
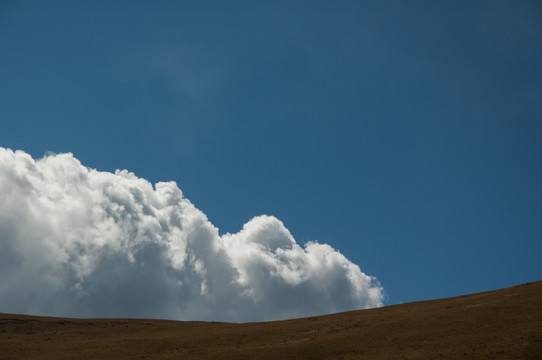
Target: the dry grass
pixel 502 324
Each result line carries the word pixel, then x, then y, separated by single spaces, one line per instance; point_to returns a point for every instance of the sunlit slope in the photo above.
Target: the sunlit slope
pixel 502 324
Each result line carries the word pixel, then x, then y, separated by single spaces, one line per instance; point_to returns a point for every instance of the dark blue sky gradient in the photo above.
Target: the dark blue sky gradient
pixel 408 135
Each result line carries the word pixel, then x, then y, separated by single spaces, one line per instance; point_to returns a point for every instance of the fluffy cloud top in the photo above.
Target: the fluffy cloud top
pixel 79 242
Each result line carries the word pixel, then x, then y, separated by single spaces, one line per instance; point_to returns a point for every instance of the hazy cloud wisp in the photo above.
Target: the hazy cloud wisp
pixel 79 242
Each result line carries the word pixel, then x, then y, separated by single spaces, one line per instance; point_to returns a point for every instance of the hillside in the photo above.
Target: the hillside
pixel 501 324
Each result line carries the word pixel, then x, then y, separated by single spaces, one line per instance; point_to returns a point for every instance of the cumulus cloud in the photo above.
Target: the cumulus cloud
pixel 79 242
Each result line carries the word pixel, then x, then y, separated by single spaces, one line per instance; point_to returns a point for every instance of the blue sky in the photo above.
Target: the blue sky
pixel 407 135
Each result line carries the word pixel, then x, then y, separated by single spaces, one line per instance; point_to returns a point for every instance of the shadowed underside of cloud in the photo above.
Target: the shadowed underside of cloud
pixel 79 242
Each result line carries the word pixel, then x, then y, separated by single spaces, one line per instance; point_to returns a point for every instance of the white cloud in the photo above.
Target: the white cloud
pixel 79 242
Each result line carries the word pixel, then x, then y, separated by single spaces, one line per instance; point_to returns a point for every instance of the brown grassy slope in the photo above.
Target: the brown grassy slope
pixel 502 324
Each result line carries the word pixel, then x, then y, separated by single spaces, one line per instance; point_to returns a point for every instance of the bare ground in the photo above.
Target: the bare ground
pixel 501 324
